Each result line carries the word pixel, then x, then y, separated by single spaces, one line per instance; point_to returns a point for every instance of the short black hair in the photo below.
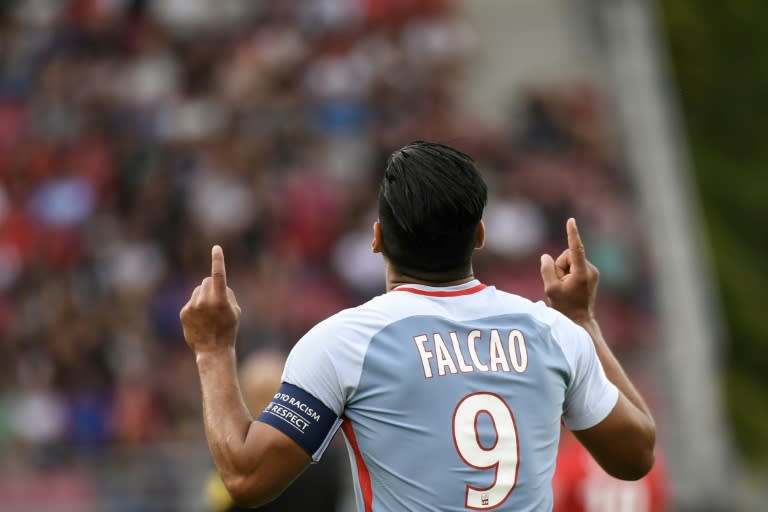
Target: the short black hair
pixel 431 201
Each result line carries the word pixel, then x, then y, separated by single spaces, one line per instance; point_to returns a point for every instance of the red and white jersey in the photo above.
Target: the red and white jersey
pixel 581 485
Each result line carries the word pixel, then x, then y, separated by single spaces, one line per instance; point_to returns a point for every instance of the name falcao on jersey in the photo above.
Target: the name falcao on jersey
pixel 489 351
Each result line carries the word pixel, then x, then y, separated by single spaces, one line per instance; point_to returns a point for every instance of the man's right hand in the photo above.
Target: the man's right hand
pixel 211 317
pixel 570 282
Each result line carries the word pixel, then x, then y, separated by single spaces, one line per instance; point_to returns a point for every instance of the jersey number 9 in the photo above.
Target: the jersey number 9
pixel 502 456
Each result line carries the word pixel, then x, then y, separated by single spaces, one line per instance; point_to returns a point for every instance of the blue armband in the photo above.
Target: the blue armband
pixel 303 418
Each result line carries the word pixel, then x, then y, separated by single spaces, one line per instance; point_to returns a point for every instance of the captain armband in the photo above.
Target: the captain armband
pixel 303 418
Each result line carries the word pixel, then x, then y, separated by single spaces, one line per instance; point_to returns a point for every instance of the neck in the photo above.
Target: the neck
pixel 396 278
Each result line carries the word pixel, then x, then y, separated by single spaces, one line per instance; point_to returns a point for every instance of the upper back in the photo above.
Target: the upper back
pixel 453 397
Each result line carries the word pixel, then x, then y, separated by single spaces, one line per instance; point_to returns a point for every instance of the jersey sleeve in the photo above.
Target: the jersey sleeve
pixel 590 396
pixel 316 384
pixel 318 364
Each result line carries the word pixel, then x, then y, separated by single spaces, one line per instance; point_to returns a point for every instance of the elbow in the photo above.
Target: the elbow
pixel 249 491
pixel 638 468
pixel 642 457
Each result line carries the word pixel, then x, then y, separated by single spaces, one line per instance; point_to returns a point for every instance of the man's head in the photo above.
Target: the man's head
pixel 431 203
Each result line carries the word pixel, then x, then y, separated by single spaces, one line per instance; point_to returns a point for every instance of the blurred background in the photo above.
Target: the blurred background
pixel 134 134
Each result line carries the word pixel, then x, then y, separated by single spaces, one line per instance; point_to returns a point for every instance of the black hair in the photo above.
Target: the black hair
pixel 431 202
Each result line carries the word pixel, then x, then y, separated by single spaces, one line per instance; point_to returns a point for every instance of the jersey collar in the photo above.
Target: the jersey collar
pixel 467 288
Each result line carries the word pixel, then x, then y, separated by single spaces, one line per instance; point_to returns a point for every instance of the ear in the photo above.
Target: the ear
pixel 377 245
pixel 480 237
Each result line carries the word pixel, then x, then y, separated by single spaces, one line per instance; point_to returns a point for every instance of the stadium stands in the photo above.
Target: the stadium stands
pixel 134 135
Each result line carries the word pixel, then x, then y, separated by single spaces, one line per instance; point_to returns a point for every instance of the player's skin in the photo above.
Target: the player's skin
pixel 623 442
pixel 257 462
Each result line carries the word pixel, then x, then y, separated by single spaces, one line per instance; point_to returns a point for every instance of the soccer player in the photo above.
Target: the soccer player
pixel 450 393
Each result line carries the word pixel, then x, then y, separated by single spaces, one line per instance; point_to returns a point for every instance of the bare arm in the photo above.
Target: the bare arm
pixel 255 461
pixel 623 442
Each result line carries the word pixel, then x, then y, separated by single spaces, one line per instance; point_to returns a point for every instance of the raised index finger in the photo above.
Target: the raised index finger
pixel 576 246
pixel 218 270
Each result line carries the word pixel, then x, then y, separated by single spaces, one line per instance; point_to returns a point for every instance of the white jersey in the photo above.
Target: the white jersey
pixel 450 398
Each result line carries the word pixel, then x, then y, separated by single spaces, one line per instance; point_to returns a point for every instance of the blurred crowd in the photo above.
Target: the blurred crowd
pixel 135 134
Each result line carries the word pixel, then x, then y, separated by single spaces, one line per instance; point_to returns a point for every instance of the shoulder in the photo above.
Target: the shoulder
pixel 357 324
pixel 571 338
pixel 343 338
pixel 327 361
pixel 549 318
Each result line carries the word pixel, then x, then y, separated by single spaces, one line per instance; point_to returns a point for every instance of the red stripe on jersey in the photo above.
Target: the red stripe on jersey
pixel 362 470
pixel 435 293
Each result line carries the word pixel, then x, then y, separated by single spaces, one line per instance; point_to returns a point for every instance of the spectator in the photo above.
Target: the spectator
pixel 135 134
